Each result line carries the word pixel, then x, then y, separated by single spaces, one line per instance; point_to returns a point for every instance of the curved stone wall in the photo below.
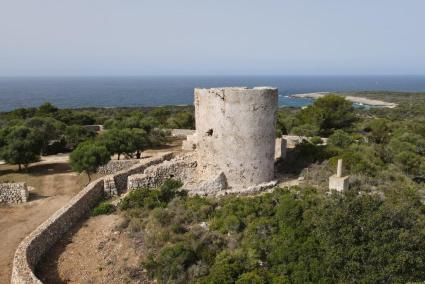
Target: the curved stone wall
pixel 35 246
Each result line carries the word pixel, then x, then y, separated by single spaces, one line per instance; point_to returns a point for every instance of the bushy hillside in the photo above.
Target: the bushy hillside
pixel 292 235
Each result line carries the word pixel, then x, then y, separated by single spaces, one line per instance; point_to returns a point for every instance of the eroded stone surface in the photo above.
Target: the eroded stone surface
pixel 12 193
pixel 280 149
pixel 182 132
pixel 182 168
pixel 236 134
pixel 114 166
pixel 339 183
pixel 190 143
pixel 215 185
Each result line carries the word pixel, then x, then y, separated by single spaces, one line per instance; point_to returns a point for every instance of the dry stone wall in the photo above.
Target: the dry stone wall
pixel 182 132
pixel 294 140
pixel 12 193
pixel 255 189
pixel 122 177
pixel 182 168
pixel 35 246
pixel 115 166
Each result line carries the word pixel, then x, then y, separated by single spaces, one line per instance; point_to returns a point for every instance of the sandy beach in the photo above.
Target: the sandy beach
pixel 357 100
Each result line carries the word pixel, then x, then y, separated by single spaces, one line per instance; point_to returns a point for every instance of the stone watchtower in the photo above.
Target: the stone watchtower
pixel 235 130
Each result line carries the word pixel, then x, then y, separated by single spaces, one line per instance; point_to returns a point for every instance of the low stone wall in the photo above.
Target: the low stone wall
pixel 293 140
pixel 34 246
pixel 122 177
pixel 12 193
pixel 182 132
pixel 114 166
pixel 93 128
pixel 181 168
pixel 190 143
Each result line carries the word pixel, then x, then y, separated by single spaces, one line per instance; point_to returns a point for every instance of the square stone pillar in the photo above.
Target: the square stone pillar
pixel 338 183
pixel 280 149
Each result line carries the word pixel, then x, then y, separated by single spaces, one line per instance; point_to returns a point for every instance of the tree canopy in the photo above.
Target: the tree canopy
pixel 328 113
pixel 124 141
pixel 21 145
pixel 88 157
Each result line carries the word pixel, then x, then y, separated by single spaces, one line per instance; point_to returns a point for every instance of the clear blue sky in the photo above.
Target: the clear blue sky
pixel 140 37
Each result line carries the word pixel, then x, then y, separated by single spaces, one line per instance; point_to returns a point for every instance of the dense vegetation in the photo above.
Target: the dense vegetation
pixel 292 235
pixel 25 134
pixel 376 144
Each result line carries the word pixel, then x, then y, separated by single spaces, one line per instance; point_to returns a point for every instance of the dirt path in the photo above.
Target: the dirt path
pixel 97 250
pixel 54 185
pixel 94 251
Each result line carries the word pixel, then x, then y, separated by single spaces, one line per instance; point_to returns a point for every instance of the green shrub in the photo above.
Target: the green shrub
pixel 103 208
pixel 251 277
pixel 229 265
pixel 340 139
pixel 316 140
pixel 171 263
pixel 152 198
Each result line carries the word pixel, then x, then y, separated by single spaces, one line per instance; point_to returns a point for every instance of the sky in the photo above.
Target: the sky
pixel 211 37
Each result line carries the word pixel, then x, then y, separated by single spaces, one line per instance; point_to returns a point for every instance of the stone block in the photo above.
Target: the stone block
pixel 181 132
pixel 339 183
pixel 280 149
pixel 214 185
pixel 110 187
pixel 188 145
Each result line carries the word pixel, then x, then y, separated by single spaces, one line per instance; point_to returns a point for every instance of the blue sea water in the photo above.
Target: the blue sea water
pixel 77 92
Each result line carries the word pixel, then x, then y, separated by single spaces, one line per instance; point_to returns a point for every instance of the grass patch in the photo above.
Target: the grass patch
pixel 103 208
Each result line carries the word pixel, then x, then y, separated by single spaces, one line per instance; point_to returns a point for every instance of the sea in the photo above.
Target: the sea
pixel 81 92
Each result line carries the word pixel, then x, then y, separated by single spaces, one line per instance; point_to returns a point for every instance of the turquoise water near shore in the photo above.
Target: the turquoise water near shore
pixel 77 92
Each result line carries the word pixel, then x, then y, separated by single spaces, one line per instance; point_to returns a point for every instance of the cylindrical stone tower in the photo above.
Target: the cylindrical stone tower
pixel 236 134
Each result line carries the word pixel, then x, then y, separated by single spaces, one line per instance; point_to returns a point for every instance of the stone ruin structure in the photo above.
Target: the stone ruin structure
pixel 339 182
pixel 13 193
pixel 235 129
pixel 234 144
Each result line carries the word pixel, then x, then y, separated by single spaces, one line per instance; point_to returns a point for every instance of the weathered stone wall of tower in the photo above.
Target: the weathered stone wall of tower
pixel 236 134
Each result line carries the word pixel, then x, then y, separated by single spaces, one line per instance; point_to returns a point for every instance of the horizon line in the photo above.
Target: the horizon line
pixel 211 75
